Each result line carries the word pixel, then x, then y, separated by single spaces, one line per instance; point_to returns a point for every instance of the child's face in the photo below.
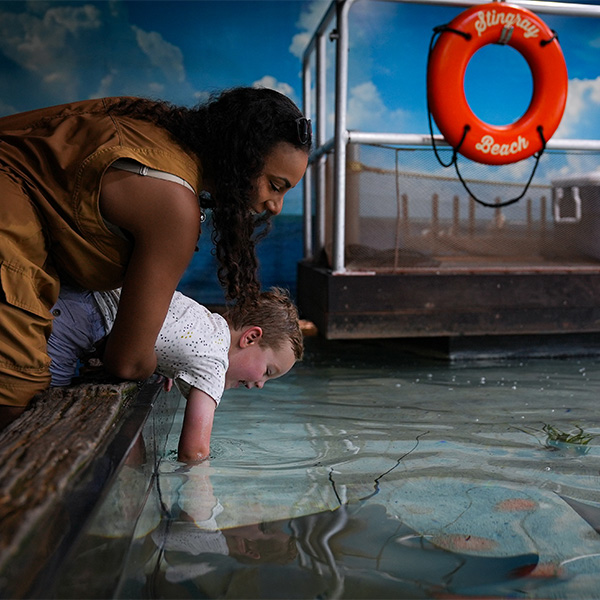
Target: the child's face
pixel 253 365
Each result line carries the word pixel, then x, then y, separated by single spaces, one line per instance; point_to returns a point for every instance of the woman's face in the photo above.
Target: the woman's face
pixel 284 168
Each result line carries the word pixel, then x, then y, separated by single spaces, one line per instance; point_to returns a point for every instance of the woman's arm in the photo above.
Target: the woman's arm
pixel 164 219
pixel 194 442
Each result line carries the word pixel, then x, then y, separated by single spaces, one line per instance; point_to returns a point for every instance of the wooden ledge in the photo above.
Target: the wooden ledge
pixel 44 454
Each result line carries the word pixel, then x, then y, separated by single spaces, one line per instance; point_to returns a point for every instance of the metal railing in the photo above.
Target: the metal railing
pixel 334 27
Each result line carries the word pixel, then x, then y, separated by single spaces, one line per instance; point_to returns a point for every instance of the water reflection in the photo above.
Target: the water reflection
pixel 354 551
pixel 370 474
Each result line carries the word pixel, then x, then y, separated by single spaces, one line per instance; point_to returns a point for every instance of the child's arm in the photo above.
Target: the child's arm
pixel 194 442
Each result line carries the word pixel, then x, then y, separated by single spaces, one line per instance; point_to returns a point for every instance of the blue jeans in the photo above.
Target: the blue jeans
pixel 77 328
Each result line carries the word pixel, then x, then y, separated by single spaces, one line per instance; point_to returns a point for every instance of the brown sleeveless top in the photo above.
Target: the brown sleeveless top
pixel 60 154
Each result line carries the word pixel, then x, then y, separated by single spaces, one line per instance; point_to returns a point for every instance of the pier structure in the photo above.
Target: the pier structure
pixel 396 247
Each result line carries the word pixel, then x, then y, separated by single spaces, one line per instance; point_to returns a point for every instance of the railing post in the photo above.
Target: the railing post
pixel 341 136
pixel 321 93
pixel 308 177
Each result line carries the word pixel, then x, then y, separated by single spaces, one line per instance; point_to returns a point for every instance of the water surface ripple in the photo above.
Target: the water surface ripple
pixel 465 460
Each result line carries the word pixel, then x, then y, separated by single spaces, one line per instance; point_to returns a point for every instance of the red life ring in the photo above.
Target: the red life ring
pixel 474 28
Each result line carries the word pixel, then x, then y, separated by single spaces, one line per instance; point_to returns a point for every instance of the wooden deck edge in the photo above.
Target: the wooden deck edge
pixel 448 304
pixel 44 455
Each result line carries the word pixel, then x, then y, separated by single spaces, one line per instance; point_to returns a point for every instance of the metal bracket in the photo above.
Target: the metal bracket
pixel 505 35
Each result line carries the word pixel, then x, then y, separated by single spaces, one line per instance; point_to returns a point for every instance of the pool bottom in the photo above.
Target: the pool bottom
pixel 352 552
pixel 481 542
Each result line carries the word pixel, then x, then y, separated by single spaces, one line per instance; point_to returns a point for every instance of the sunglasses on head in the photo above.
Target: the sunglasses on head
pixel 304 128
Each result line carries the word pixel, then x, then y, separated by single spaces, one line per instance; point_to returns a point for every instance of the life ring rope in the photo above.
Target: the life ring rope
pixel 537 157
pixel 441 28
pixel 456 149
pixel 546 42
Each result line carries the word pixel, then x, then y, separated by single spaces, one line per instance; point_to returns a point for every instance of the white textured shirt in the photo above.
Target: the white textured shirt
pixel 192 346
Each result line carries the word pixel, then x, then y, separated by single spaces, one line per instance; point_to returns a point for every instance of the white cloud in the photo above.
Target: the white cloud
pixel 7 109
pixel 57 78
pixel 574 165
pixel 201 97
pixel 268 81
pixel 51 43
pixel 162 54
pixel 583 105
pixel 156 89
pixel 105 86
pixel 36 42
pixel 595 43
pixel 73 19
pixel 85 51
pixel 367 110
pixel 307 23
pixel 299 43
pixel 114 7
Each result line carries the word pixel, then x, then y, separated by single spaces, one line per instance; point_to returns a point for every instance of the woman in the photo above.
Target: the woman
pixel 105 193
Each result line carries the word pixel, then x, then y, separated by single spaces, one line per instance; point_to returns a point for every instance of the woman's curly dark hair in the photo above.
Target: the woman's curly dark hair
pixel 232 134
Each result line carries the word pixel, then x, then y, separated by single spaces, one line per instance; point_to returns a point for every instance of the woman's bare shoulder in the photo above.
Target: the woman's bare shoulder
pixel 135 202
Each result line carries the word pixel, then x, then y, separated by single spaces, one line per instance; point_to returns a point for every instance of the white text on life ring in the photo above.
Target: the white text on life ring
pixel 487 146
pixel 490 18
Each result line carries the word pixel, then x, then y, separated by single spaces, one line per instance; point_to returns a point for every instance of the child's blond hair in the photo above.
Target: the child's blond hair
pixel 275 313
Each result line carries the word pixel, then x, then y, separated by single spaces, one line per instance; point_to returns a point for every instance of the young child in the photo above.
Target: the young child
pixel 203 352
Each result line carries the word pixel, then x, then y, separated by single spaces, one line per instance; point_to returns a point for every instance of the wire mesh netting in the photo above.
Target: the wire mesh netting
pixel 405 211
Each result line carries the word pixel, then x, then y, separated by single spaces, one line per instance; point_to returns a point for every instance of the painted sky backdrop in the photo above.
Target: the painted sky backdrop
pixel 54 51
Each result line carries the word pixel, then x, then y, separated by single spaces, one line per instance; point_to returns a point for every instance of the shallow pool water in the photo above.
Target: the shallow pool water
pixel 371 473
